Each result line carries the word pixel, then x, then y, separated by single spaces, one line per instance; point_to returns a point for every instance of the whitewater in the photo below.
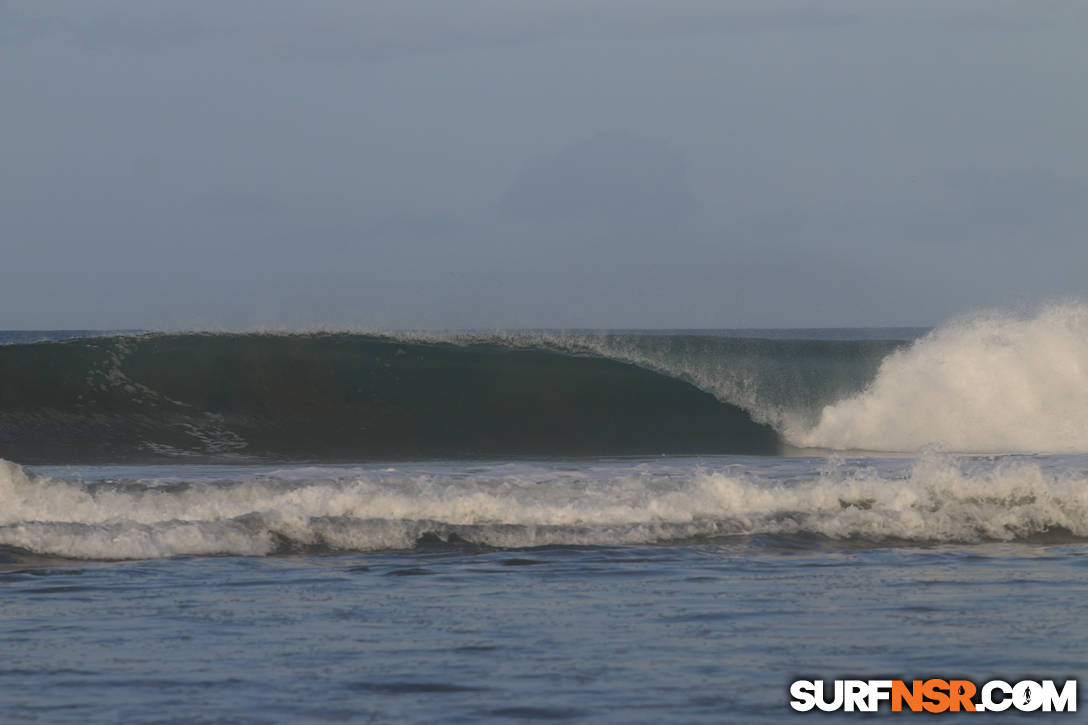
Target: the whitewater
pixel 937 498
pixel 989 382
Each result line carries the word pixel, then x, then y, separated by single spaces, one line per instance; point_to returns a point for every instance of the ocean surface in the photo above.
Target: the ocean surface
pixel 537 526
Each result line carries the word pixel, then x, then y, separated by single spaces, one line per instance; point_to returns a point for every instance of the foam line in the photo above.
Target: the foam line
pixel 937 499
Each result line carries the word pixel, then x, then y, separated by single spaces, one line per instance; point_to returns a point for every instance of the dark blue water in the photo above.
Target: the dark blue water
pixel 679 634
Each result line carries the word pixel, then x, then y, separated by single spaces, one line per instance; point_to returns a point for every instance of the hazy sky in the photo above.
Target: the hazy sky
pixel 543 163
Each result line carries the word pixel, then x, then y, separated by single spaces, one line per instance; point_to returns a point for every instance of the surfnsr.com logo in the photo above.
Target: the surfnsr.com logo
pixel 933 695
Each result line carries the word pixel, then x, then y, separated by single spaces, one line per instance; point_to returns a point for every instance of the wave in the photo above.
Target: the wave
pixel 938 498
pixel 991 382
pixel 348 397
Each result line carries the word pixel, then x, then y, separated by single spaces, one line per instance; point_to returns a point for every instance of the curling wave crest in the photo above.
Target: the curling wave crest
pixel 935 498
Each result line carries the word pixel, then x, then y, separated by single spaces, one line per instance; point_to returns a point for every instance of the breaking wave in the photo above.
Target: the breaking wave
pixel 991 382
pixel 936 498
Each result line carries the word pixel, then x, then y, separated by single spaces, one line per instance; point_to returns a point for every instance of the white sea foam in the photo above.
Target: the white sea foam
pixel 936 498
pixel 988 382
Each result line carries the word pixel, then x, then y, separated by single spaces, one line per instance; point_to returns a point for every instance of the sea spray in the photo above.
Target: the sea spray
pixel 988 382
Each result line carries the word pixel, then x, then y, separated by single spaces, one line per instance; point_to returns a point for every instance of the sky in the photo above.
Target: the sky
pixel 429 164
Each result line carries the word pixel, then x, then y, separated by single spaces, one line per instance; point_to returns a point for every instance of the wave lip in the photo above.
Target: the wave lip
pixel 937 499
pixel 991 382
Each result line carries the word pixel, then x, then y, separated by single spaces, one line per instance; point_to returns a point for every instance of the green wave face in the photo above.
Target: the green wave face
pixel 349 397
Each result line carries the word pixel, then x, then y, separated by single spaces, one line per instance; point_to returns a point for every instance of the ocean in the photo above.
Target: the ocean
pixel 579 526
